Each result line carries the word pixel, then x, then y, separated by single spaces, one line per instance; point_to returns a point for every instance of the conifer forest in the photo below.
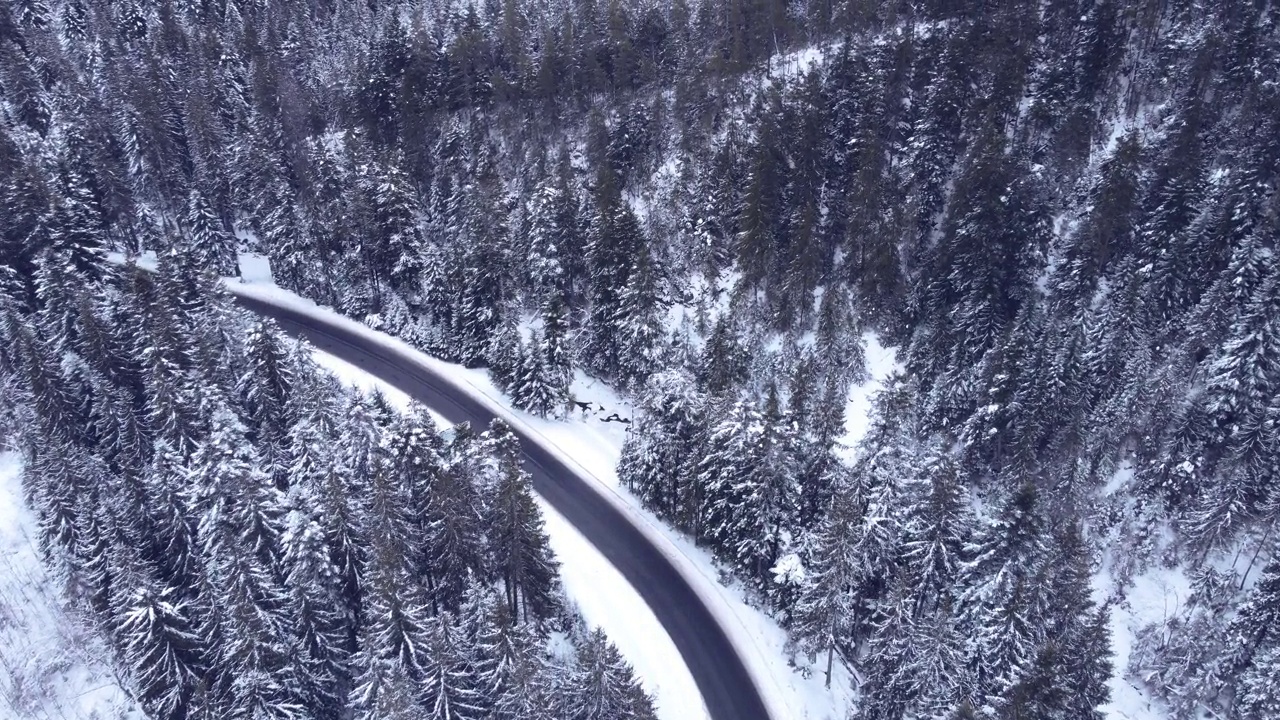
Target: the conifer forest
pixel 1062 216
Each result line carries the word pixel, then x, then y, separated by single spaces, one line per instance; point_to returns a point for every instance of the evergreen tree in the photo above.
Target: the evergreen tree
pixel 448 688
pixel 659 458
pixel 515 677
pixel 320 620
pixel 162 651
pixel 213 247
pixel 827 606
pixel 998 576
pixel 521 554
pixel 935 529
pixel 747 485
pixel 537 388
pixel 267 388
pixel 605 687
pixel 616 244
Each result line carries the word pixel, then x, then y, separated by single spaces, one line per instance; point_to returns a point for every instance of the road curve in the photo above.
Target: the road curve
pixel 717 669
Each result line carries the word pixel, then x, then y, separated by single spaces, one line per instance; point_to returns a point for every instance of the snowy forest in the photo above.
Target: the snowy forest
pixel 1063 215
pixel 256 541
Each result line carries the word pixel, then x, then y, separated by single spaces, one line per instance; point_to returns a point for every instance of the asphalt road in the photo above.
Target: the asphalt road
pixel 722 679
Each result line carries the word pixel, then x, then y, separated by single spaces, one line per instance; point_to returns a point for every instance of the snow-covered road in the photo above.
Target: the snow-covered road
pixel 602 595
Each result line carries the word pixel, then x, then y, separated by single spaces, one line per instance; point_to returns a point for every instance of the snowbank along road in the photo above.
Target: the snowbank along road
pixel 723 680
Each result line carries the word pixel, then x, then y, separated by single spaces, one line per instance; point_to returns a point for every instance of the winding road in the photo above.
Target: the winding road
pixel 721 677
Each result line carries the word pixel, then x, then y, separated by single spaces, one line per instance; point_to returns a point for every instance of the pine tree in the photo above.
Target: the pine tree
pixel 395 635
pixel 400 247
pixel 1107 233
pixel 448 687
pixel 53 486
pixel 163 653
pixel 935 528
pixel 747 482
pixel 827 607
pixel 172 548
pixel 536 389
pixel 723 364
pixel 235 501
pixel 453 544
pixel 1253 645
pixel 514 675
pixel 384 691
pixel 76 229
pixel 616 244
pixel 1242 381
pixel 554 349
pixel 320 621
pixel 639 323
pixel 605 687
pixel 267 388
pixel 521 554
pixel 212 246
pixel 999 593
pixel 659 458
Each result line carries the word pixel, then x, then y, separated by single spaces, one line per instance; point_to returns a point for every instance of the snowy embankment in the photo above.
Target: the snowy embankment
pixel 589 444
pixel 601 594
pixel 49 667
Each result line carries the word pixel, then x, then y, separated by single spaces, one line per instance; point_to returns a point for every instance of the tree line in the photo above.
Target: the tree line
pixel 1063 215
pixel 253 540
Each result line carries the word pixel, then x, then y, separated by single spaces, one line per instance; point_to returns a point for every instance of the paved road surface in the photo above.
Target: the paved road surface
pixel 718 671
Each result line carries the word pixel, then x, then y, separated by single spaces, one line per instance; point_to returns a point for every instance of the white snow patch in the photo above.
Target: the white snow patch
pixel 49 666
pixel 255 268
pixel 1119 479
pixel 1154 596
pixel 882 362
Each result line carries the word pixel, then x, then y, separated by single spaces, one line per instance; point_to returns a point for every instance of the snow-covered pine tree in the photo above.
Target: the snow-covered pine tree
pixel 1254 648
pixel 163 652
pixel 605 687
pixel 747 484
pixel 213 247
pixel 394 639
pixel 822 621
pixel 514 676
pixel 448 682
pixel 539 388
pixel 267 388
pixel 936 525
pixel 659 457
pixel 616 243
pixel 321 621
pixel 172 548
pixel 999 594
pixel 520 551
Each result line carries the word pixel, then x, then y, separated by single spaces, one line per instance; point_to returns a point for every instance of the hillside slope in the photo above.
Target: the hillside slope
pixel 1062 216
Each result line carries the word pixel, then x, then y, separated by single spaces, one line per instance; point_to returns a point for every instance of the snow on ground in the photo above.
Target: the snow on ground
pixel 601 594
pixel 255 268
pixel 355 377
pixel 592 447
pixel 607 600
pixel 49 668
pixel 1151 596
pixel 1155 595
pixel 882 362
